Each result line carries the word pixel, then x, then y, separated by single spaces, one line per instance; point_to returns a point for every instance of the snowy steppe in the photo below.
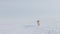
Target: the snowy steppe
pixel 47 26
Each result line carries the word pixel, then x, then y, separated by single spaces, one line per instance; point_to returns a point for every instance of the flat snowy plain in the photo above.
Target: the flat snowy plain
pixel 30 28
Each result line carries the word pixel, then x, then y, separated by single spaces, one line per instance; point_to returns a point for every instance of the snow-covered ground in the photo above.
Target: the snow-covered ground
pixel 44 28
pixel 31 29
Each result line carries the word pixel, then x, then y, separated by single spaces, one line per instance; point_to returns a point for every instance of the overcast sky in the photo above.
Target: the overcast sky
pixel 25 11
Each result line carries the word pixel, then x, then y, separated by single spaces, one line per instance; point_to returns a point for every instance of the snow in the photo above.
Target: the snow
pixel 47 26
pixel 28 29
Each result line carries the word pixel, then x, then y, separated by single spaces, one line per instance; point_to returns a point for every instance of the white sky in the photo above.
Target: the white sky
pixel 29 10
